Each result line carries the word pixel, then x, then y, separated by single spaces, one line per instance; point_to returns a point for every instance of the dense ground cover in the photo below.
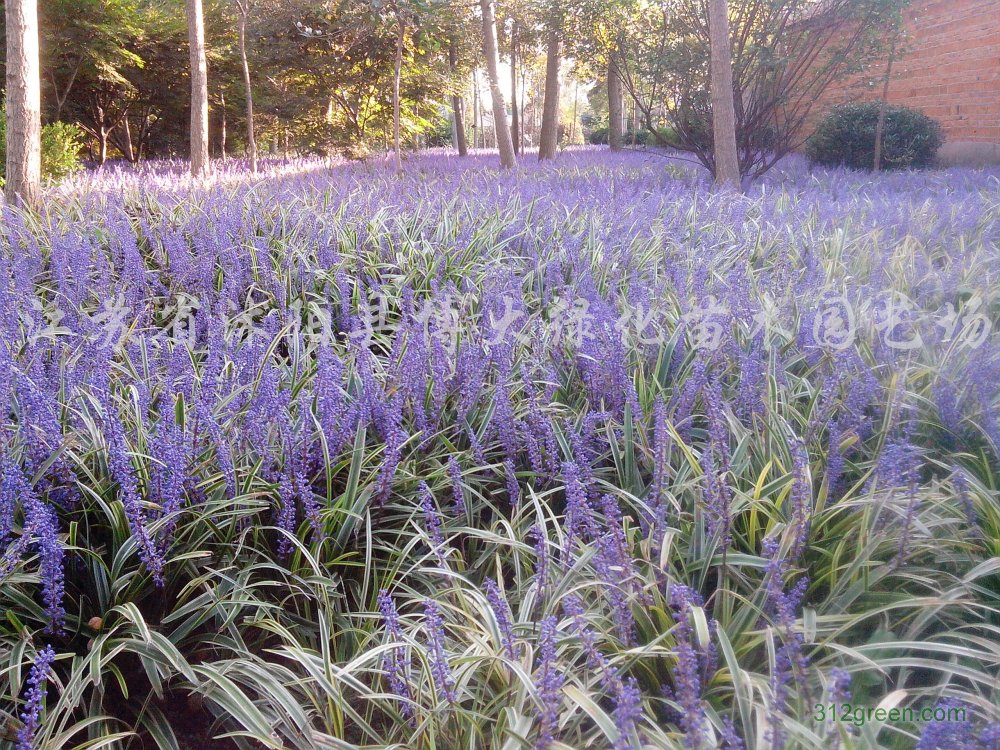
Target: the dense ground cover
pixel 574 456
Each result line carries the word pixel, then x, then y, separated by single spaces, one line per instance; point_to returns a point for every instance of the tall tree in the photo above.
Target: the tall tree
pixel 86 40
pixel 458 120
pixel 24 105
pixel 199 89
pixel 243 6
pixel 505 144
pixel 615 106
pixel 727 161
pixel 548 139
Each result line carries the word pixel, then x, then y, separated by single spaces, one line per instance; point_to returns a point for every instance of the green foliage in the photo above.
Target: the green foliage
pixel 599 136
pixel 61 145
pixel 846 138
pixel 781 66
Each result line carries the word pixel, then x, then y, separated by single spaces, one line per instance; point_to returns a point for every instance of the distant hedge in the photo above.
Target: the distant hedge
pixel 846 138
pixel 599 136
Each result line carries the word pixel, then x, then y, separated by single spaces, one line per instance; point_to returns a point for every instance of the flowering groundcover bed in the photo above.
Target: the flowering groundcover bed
pixel 573 456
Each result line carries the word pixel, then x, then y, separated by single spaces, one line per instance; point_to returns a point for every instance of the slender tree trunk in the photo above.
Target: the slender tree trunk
pixel 129 150
pixel 635 124
pixel 24 106
pixel 102 145
pixel 476 119
pixel 727 163
pixel 199 89
pixel 615 105
pixel 456 105
pixel 523 123
pixel 61 99
pixel 500 127
pixel 883 106
pixel 251 139
pixel 222 134
pixel 515 119
pixel 576 101
pixel 548 141
pixel 397 74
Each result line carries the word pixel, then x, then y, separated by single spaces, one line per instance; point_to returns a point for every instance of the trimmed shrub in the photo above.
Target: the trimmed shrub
pixel 599 137
pixel 846 138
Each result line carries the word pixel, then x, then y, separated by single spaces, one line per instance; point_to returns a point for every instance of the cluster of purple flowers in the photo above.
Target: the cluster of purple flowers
pixel 40 532
pixel 956 732
pixel 621 688
pixel 188 350
pixel 696 663
pixel 549 681
pixel 790 663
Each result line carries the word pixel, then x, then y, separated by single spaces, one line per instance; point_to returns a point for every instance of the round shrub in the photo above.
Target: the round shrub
pixel 598 136
pixel 846 138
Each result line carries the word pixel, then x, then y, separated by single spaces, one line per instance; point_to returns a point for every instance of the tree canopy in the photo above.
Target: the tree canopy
pixel 322 75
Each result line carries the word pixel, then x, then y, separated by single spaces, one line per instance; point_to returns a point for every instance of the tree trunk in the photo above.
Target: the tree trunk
pixel 727 163
pixel 515 120
pixel 523 123
pixel 456 106
pixel 477 118
pixel 129 150
pixel 102 145
pixel 576 101
pixel 615 105
pixel 24 106
pixel 548 141
pixel 397 74
pixel 502 130
pixel 251 140
pixel 222 134
pixel 199 89
pixel 61 99
pixel 882 106
pixel 635 124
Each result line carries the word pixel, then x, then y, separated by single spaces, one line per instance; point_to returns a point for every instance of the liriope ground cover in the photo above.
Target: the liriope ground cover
pixel 575 456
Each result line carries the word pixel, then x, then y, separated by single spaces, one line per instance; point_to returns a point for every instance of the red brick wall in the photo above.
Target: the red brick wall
pixel 948 67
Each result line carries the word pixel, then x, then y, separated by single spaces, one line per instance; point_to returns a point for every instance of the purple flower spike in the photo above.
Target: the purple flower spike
pixel 501 610
pixel 394 662
pixel 34 698
pixel 548 682
pixel 444 680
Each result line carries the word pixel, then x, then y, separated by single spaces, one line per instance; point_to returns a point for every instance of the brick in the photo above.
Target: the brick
pixel 948 68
